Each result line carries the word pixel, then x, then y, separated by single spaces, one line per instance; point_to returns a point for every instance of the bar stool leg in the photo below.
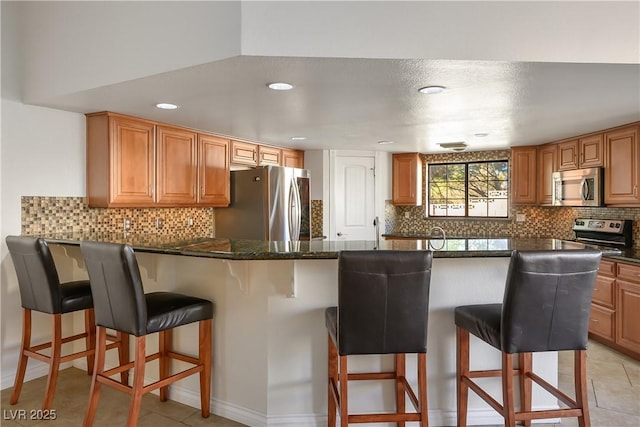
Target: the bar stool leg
pixel 138 381
pixel 90 340
pixel 333 380
pixel 123 355
pixel 22 362
pixel 344 401
pixel 54 361
pixel 580 381
pixel 422 389
pixel 94 393
pixel 205 359
pixel 525 363
pixel 165 339
pixel 507 390
pixel 462 371
pixel 400 364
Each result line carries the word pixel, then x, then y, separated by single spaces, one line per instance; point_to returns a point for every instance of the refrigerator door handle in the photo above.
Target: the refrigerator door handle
pixel 293 211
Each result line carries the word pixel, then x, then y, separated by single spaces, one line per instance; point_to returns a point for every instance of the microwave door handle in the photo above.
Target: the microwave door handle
pixel 584 190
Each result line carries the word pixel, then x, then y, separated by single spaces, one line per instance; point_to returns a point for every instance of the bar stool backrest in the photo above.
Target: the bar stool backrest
pixel 547 300
pixel 37 275
pixel 383 301
pixel 116 285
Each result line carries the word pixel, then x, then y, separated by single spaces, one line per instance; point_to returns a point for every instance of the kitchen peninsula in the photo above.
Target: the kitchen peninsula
pixel 269 335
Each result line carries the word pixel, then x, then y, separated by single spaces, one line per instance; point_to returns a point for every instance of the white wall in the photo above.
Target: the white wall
pixel 103 43
pixel 43 154
pixel 467 30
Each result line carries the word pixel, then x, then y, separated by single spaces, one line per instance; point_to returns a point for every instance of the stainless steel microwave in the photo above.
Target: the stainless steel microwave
pixel 580 187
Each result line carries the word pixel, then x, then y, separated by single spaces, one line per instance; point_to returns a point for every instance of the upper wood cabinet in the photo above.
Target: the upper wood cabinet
pixel 120 161
pixel 139 163
pixel 177 157
pixel 293 158
pixel 523 175
pixel 568 155
pixel 592 151
pixel 269 156
pixel 622 166
pixel 407 179
pixel 213 171
pixel 244 153
pixel 546 167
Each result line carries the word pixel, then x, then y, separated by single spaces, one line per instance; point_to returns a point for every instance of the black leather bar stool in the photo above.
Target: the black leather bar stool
pixel 41 290
pixel 383 305
pixel 122 305
pixel 546 307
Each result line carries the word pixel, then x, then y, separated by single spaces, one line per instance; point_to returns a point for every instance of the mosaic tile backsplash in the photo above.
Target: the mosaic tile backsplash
pixel 42 214
pixel 540 221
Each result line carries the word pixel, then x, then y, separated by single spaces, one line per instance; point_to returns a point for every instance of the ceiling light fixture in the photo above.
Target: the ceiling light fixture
pixel 431 90
pixel 455 146
pixel 166 106
pixel 298 138
pixel 385 142
pixel 280 86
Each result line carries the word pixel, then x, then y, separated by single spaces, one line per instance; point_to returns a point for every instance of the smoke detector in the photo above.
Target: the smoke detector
pixel 455 146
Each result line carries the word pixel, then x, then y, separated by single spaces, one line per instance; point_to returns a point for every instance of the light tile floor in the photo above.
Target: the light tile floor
pixel 614 398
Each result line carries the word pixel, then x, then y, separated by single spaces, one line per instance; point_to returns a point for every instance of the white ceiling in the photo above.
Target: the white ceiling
pixel 523 72
pixel 354 103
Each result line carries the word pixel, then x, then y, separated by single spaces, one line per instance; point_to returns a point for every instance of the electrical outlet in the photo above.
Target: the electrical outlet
pixel 159 223
pixel 190 222
pixel 521 218
pixel 407 215
pixel 127 223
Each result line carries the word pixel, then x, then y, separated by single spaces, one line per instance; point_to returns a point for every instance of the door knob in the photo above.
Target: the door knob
pixel 340 234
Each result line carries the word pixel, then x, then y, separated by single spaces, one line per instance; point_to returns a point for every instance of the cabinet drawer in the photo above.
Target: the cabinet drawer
pixel 630 273
pixel 601 322
pixel 603 293
pixel 607 268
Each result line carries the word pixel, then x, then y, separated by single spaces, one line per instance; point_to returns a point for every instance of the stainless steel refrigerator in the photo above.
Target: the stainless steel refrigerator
pixel 267 203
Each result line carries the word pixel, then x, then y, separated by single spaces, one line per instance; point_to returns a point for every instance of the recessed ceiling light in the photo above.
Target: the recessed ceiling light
pixel 280 86
pixel 431 90
pixel 480 135
pixel 385 142
pixel 166 106
pixel 298 138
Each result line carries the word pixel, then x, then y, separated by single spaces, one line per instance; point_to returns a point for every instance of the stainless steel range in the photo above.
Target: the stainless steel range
pixel 608 235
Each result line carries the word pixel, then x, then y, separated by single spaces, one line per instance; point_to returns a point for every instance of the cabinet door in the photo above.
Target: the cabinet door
pixel 213 166
pixel 177 166
pixel 523 175
pixel 244 153
pixel 568 155
pixel 592 151
pixel 622 160
pixel 602 322
pixel 132 162
pixel 293 158
pixel 269 156
pixel 407 179
pixel 546 168
pixel 628 315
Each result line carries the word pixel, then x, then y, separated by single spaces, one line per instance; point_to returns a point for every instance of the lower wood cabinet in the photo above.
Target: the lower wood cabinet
pixel 615 309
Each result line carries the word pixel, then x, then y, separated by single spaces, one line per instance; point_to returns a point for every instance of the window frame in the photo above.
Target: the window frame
pixel 466 189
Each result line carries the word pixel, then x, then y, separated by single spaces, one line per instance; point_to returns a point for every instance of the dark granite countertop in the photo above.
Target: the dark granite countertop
pixel 316 249
pixel 631 255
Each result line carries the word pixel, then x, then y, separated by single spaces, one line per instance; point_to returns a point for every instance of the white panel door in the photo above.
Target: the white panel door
pixel 353 198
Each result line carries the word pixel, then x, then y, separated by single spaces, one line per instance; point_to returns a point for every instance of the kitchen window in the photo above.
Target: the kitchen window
pixel 471 189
